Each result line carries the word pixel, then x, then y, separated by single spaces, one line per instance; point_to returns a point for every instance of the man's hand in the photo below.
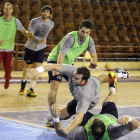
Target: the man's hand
pixel 123 120
pixel 1 42
pixel 41 41
pixel 55 73
pixel 31 73
pixel 92 66
pixel 55 112
pixel 30 35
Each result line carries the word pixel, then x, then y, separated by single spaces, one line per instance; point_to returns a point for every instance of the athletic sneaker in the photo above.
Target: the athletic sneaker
pixel 112 80
pixel 125 74
pixel 6 85
pixel 23 85
pixel 21 92
pixel 50 122
pixel 31 93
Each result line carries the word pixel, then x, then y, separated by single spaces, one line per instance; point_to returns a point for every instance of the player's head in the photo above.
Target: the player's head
pixel 80 76
pixel 46 12
pixel 8 8
pixel 97 128
pixel 85 29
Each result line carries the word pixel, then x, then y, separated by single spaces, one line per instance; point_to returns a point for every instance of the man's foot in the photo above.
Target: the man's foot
pixel 31 93
pixel 6 85
pixel 125 74
pixel 50 122
pixel 23 85
pixel 21 92
pixel 112 80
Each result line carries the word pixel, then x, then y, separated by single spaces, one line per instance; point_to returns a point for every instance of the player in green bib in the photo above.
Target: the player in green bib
pixel 8 27
pixel 67 50
pixel 1 41
pixel 103 126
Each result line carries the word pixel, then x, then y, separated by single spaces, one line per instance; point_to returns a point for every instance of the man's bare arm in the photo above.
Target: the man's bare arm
pixel 60 58
pixel 77 120
pixel 58 127
pixel 132 123
pixel 93 63
pixel 93 58
pixel 59 61
pixel 48 67
pixel 32 36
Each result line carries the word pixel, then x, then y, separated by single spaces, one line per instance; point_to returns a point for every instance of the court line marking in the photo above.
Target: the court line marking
pixel 137 131
pixel 17 121
pixel 26 123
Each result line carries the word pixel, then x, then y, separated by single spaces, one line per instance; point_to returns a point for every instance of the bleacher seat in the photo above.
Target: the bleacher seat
pixel 45 2
pixel 24 2
pixel 131 31
pixel 35 2
pixel 116 22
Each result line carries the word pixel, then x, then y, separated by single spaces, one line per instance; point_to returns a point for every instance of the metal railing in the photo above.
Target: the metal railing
pixel 100 52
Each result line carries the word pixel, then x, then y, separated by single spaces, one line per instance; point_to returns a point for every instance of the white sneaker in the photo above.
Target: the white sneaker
pixel 50 122
pixel 125 74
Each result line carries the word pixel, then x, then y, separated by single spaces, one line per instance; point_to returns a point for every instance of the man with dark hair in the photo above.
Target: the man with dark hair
pixel 86 23
pixel 84 88
pixel 68 49
pixel 103 126
pixel 35 52
pixel 47 7
pixel 8 26
pixel 84 71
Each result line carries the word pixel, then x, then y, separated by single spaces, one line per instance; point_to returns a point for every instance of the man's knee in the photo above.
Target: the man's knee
pixel 27 66
pixel 54 86
pixel 37 64
pixel 111 98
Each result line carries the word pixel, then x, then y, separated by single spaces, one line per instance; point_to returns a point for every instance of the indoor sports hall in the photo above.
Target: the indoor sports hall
pixel 116 33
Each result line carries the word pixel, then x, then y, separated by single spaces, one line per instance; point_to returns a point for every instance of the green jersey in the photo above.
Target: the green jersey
pixel 108 120
pixel 7 33
pixel 73 52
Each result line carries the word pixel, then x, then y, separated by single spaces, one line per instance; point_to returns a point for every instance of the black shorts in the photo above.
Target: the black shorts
pixel 34 56
pixel 71 109
pixel 109 108
pixel 56 77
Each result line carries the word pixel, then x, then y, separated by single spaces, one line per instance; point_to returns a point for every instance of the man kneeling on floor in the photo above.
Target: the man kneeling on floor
pixel 84 88
pixel 103 126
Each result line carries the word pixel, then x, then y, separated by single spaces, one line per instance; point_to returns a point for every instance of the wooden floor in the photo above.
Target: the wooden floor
pixel 10 100
pixel 128 95
pixel 21 113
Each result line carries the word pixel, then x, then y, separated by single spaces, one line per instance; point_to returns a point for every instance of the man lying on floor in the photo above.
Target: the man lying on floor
pixel 103 126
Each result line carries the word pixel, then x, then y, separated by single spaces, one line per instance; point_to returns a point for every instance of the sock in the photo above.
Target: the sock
pixel 23 84
pixel 112 89
pixel 49 107
pixel 32 84
pixel 120 75
pixel 50 115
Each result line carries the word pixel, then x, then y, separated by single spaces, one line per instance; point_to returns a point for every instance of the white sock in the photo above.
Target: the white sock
pixel 50 111
pixel 49 107
pixel 120 75
pixel 32 84
pixel 112 89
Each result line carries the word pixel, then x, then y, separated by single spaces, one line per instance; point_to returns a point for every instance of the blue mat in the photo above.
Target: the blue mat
pixel 16 130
